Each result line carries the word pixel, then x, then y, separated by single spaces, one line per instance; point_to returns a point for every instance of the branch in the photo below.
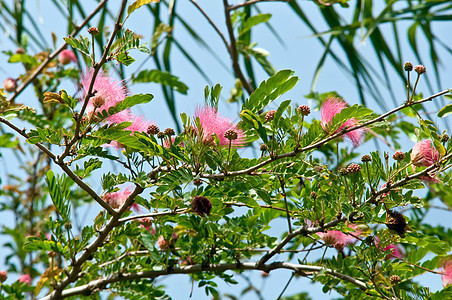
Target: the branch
pixel 233 50
pixel 251 2
pixel 96 69
pixel 117 277
pixel 320 143
pixel 73 274
pixel 55 53
pixel 211 23
pixel 157 214
pixel 65 168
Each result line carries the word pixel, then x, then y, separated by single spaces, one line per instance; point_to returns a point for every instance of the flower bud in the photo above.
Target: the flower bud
pixel 153 129
pixel 230 134
pixel 408 66
pixel 161 135
pixel 3 276
pixel 10 84
pixel 66 56
pixel 270 115
pixel 169 132
pixel 163 244
pixel 420 69
pixel 444 138
pixel 354 168
pixel 20 50
pixel 395 279
pixel 197 182
pixel 399 156
pixel 26 278
pixel 366 158
pixel 264 147
pixel 93 31
pixel 343 171
pixel 304 110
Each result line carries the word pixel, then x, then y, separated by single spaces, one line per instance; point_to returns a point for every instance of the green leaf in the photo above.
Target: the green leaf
pixel 431 243
pixel 162 77
pixel 270 90
pixel 128 102
pixel 253 21
pixel 5 141
pixel 59 190
pixel 137 4
pixel 125 58
pixel 82 45
pixel 445 111
pixel 23 58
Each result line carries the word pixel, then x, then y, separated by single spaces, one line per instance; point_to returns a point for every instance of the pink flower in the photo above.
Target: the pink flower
pixel 25 278
pixel 447 270
pixel 138 124
pixel 332 107
pixel 395 253
pixel 117 199
pixel 110 90
pixel 338 239
pixel 213 123
pixel 424 154
pixel 66 56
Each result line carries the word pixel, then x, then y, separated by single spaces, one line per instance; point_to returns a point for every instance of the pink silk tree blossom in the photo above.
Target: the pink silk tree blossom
pixel 213 123
pixel 117 199
pixel 446 277
pixel 332 107
pixel 338 239
pixel 111 91
pixel 424 154
pixel 25 278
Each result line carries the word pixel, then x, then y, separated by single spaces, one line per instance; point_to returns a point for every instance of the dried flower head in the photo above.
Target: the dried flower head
pixel 26 278
pixel 399 156
pixel 201 205
pixel 10 84
pixel 93 30
pixel 408 66
pixel 354 168
pixel 395 279
pixel 169 132
pixel 230 134
pixel 304 110
pixel 424 154
pixel 3 276
pixel 213 123
pixel 332 107
pixel 366 158
pixel 270 115
pixel 420 69
pixel 66 56
pixel 396 222
pixel 153 129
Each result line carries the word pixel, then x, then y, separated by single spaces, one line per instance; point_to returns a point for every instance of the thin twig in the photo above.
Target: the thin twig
pixel 233 50
pixel 55 53
pixel 120 276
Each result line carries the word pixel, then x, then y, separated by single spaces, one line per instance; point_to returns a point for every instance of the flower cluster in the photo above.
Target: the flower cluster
pixel 117 199
pixel 332 107
pixel 338 239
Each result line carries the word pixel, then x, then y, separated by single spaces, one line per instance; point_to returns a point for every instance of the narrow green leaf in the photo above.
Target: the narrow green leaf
pixel 445 111
pixel 137 4
pixel 162 77
pixel 253 21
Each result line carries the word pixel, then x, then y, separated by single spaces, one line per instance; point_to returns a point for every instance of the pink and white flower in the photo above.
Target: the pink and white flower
pixel 338 239
pixel 117 199
pixel 332 107
pixel 213 123
pixel 424 154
